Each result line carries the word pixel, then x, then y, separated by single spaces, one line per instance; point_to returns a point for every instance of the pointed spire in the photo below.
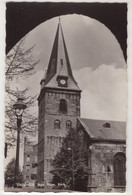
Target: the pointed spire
pixel 59 64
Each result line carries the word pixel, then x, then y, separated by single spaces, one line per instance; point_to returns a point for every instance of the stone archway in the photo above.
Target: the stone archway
pixel 22 17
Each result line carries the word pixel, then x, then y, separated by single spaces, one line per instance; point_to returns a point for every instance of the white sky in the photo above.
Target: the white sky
pixel 96 60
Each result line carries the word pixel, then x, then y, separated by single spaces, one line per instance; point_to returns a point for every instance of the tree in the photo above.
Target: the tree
pixel 20 64
pixel 70 165
pixel 20 61
pixel 10 175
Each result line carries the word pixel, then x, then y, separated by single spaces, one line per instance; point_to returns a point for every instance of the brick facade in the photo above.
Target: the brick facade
pixel 50 138
pixel 30 163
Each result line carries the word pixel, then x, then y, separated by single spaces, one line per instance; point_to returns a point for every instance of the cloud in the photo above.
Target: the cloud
pixel 95 57
pixel 89 42
pixel 103 92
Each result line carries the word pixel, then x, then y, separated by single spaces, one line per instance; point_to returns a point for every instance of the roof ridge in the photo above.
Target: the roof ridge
pixel 103 120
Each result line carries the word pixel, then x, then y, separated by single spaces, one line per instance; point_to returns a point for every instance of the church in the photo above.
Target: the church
pixel 59 111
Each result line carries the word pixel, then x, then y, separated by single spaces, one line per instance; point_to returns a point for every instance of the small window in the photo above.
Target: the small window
pixel 57 124
pixel 107 125
pixel 63 106
pixel 34 165
pixel 68 124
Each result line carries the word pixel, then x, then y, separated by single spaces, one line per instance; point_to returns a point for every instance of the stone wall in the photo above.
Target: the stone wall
pixel 102 172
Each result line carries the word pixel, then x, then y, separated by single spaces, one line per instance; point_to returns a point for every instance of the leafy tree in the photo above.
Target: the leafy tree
pixel 70 165
pixel 20 63
pixel 10 174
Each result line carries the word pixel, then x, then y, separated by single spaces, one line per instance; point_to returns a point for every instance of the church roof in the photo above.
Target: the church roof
pixel 59 64
pixel 104 130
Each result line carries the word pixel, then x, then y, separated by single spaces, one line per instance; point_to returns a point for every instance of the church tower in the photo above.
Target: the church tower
pixel 59 106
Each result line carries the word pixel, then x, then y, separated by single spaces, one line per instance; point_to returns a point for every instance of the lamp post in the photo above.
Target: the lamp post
pixel 72 161
pixel 19 108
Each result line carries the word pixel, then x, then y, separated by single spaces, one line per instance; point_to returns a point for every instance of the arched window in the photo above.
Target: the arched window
pixel 120 169
pixel 63 106
pixel 57 124
pixel 68 124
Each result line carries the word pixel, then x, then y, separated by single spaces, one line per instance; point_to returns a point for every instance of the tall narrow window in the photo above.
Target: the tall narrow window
pixel 57 124
pixel 119 169
pixel 68 124
pixel 63 106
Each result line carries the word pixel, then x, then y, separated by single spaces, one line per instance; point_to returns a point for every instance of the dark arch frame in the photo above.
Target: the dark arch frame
pixel 22 17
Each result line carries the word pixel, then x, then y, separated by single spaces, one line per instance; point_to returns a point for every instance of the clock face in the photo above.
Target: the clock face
pixel 63 82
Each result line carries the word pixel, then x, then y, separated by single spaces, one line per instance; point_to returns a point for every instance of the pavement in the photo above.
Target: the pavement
pixel 6 189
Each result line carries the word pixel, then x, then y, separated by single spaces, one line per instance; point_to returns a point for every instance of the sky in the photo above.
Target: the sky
pixel 96 59
pixel 97 63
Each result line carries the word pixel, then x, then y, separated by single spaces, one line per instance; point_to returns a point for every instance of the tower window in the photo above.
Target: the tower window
pixel 119 169
pixel 63 106
pixel 57 124
pixel 68 124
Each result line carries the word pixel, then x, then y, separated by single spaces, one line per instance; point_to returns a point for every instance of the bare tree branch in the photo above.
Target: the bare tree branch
pixel 20 63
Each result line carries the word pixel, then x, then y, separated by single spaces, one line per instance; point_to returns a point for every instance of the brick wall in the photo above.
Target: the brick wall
pixel 102 172
pixel 52 138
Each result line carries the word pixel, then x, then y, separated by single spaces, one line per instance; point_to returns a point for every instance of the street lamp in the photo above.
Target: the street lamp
pixel 19 108
pixel 72 160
